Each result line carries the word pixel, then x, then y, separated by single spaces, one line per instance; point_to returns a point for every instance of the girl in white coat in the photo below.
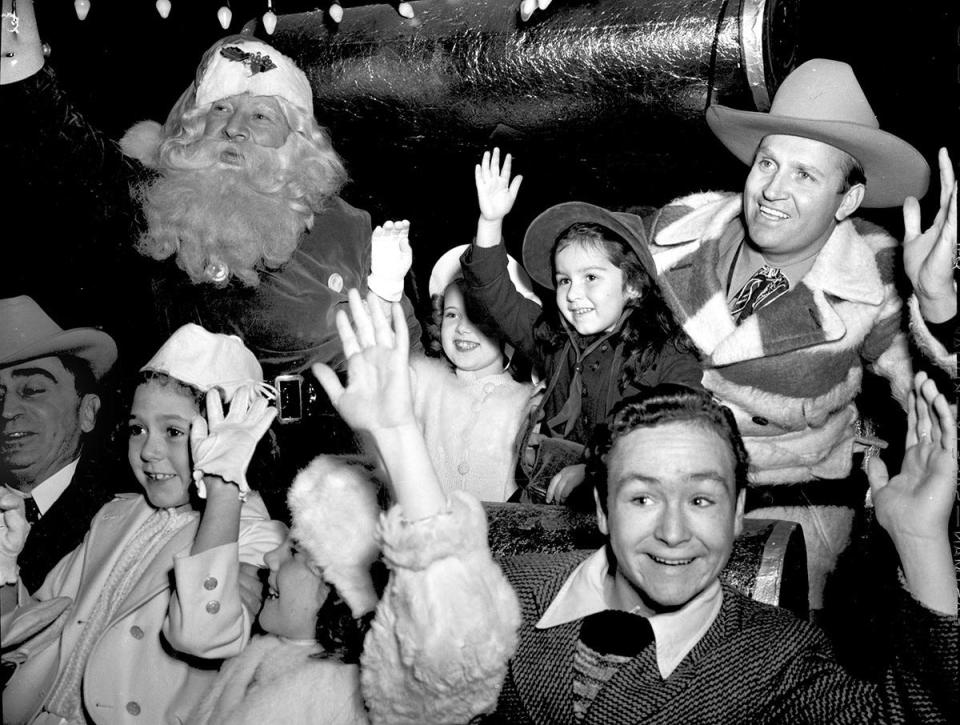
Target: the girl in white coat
pixel 130 626
pixel 469 406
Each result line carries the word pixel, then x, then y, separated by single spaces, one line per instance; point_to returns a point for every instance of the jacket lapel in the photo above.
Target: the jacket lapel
pixel 688 258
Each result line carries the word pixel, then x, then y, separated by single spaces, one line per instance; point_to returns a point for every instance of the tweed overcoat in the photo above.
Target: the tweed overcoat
pixel 791 371
pixel 755 664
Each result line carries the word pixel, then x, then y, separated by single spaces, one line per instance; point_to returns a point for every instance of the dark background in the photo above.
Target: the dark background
pixel 67 228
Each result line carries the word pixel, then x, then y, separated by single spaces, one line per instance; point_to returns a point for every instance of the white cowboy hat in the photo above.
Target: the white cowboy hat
pixel 823 101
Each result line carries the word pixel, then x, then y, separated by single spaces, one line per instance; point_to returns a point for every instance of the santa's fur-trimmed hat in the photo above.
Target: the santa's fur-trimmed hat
pixel 233 65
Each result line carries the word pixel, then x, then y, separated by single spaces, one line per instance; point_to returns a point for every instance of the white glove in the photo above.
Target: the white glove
pixel 390 260
pixel 224 446
pixel 13 534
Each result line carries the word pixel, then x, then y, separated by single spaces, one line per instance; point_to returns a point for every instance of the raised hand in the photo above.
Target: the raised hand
pixel 377 400
pixel 223 446
pixel 496 193
pixel 528 7
pixel 13 534
pixel 377 395
pixel 391 257
pixel 914 506
pixel 929 257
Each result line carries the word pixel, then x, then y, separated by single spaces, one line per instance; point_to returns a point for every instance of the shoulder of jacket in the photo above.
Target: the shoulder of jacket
pixel 695 216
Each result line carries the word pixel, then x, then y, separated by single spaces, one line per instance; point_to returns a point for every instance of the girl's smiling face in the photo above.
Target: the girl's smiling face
pixel 463 343
pixel 159 442
pixel 591 294
pixel 295 592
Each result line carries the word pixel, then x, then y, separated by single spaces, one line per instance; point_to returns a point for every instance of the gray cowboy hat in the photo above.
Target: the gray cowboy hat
pixel 822 100
pixel 27 332
pixel 541 236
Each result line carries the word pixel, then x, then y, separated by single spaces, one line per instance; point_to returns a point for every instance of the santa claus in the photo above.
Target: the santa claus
pixel 244 209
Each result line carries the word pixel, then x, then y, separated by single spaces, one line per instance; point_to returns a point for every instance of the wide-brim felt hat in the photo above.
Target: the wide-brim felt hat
pixel 822 100
pixel 27 333
pixel 542 234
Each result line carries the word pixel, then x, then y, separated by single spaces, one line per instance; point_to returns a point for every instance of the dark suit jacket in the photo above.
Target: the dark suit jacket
pixel 756 664
pixel 63 526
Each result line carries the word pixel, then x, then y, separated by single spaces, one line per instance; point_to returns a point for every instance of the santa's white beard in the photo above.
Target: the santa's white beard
pixel 220 219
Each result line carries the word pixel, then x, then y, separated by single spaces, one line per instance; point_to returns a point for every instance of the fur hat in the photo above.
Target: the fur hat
pixel 447 269
pixel 333 503
pixel 208 360
pixel 822 100
pixel 27 332
pixel 231 66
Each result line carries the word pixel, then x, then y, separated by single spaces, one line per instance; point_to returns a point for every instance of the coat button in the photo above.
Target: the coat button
pixel 213 607
pixel 210 583
pixel 760 420
pixel 463 469
pixel 136 632
pixel 133 708
pixel 488 388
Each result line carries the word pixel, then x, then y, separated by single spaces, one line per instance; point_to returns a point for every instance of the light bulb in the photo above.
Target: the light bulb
pixel 163 7
pixel 82 7
pixel 405 10
pixel 336 12
pixel 224 15
pixel 269 22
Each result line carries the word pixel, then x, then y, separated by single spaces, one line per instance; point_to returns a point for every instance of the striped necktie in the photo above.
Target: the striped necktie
pixel 763 287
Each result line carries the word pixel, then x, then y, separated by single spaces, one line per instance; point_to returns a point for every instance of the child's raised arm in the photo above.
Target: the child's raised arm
pixel 496 194
pixel 378 401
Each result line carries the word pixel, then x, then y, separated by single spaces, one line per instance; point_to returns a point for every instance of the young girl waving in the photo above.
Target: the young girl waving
pixel 613 335
pixel 469 405
pixel 151 600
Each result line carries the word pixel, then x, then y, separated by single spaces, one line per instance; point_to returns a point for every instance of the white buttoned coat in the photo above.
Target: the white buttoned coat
pixel 161 649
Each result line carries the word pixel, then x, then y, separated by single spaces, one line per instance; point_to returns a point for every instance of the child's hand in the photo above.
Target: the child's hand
pixel 223 446
pixel 495 192
pixel 377 395
pixel 390 259
pixel 563 484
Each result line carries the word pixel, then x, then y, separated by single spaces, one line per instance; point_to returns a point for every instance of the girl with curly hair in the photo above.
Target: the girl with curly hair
pixel 610 336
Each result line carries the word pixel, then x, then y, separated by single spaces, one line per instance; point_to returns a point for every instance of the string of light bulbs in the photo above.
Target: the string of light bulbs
pixel 225 14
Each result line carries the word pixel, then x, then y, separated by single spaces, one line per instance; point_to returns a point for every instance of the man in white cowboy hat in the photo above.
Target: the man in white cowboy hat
pixel 48 405
pixel 789 296
pixel 246 203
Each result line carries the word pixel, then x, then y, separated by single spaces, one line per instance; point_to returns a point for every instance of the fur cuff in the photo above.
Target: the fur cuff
pixel 142 142
pixel 460 531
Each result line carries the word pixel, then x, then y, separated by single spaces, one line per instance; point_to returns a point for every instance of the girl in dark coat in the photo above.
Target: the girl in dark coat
pixel 613 336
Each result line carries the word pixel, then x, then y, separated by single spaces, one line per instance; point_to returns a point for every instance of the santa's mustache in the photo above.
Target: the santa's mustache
pixel 205 153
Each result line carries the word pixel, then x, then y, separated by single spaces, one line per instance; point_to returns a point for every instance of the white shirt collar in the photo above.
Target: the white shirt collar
pixel 676 633
pixel 46 493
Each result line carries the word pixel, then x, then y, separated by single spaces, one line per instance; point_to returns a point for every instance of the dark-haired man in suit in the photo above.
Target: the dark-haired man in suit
pixel 49 403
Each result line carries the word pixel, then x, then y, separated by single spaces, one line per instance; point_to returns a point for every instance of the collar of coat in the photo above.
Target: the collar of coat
pixel 689 237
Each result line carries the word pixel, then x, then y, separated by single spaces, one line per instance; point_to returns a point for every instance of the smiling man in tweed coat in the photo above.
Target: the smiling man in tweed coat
pixel 788 297
pixel 670 475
